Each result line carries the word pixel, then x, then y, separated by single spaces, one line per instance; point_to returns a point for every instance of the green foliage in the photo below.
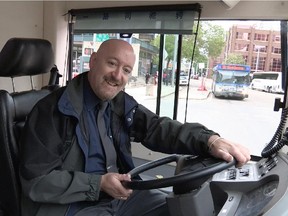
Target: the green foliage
pixel 169 47
pixel 235 58
pixel 210 43
pixel 214 37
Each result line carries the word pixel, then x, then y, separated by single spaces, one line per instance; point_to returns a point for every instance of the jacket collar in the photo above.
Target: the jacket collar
pixel 121 104
pixel 74 90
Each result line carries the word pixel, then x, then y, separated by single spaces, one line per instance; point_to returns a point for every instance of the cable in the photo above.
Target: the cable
pixel 191 65
pixel 272 148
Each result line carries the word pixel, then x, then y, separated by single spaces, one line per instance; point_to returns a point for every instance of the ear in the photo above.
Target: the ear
pixel 92 59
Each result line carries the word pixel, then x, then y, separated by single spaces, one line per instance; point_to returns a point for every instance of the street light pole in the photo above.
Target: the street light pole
pixel 257 60
pixel 258 47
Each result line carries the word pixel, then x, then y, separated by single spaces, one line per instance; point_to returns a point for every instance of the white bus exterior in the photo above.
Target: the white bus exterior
pixel 267 81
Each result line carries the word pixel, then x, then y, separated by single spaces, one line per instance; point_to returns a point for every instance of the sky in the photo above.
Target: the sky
pixel 264 25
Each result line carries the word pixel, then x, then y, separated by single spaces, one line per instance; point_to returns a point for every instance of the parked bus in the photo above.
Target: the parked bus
pixel 231 80
pixel 267 81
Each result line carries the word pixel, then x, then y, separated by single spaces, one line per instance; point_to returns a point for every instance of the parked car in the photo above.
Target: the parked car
pixel 183 79
pixel 196 76
pixel 132 79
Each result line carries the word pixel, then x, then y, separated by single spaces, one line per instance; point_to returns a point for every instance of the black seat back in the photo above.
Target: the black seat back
pixel 19 57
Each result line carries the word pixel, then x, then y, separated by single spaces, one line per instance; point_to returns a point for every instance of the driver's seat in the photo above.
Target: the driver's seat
pixel 19 57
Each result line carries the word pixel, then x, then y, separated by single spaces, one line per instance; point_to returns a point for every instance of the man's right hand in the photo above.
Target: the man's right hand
pixel 111 184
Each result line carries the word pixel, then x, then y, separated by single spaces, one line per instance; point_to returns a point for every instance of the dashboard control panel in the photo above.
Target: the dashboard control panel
pixel 252 189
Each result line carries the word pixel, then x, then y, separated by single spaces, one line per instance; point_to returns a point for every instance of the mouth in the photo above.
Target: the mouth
pixel 111 83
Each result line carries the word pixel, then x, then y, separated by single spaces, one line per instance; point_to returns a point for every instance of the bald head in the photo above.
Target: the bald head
pixel 115 44
pixel 110 68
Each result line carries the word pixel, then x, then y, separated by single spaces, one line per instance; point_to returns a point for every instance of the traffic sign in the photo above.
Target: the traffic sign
pixel 101 37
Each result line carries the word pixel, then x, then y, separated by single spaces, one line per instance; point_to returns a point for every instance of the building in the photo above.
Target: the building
pixel 261 49
pixel 85 44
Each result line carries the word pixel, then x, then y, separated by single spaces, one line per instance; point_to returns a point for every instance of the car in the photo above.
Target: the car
pixel 132 79
pixel 196 77
pixel 183 80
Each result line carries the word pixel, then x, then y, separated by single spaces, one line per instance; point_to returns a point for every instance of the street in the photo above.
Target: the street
pixel 251 122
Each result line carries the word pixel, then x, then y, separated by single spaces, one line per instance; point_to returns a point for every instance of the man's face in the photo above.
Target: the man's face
pixel 110 68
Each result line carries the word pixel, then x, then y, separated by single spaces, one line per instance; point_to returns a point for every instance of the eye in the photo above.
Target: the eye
pixel 127 70
pixel 112 63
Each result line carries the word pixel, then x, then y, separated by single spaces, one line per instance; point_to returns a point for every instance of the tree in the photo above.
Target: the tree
pixel 214 37
pixel 169 48
pixel 210 43
pixel 235 58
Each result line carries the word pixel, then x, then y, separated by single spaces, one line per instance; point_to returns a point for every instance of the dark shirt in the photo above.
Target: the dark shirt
pixel 95 161
pixel 95 157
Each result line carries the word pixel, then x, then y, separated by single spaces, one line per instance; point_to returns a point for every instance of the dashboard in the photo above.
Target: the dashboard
pixel 253 189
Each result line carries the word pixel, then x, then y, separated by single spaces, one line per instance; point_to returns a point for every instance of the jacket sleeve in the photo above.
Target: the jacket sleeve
pixel 165 135
pixel 46 173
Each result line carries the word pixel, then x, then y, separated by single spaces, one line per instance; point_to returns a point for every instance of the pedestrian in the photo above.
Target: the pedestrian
pixel 156 78
pixel 164 77
pixel 147 77
pixel 168 78
pixel 75 151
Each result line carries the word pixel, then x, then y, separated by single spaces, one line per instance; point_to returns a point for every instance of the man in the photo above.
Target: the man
pixel 64 168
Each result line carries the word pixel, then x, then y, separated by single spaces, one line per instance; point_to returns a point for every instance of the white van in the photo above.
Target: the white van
pixel 267 81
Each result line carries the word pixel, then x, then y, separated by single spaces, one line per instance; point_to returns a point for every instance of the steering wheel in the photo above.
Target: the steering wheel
pixel 191 170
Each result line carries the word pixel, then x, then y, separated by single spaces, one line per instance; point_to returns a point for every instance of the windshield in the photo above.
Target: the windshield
pixel 266 75
pixel 232 77
pixel 250 120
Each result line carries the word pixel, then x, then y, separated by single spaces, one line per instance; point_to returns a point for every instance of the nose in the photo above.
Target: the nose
pixel 117 73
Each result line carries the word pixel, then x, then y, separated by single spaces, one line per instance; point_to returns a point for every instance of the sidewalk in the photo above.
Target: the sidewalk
pixel 149 91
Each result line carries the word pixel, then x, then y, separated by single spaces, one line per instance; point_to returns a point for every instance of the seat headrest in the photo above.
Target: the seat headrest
pixel 26 56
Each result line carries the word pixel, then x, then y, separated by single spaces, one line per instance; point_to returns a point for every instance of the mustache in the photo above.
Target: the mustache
pixel 112 79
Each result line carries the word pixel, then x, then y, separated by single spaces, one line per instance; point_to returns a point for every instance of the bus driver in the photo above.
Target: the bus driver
pixel 67 166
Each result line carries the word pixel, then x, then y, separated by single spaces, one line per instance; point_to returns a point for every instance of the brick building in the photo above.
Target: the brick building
pixel 261 49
